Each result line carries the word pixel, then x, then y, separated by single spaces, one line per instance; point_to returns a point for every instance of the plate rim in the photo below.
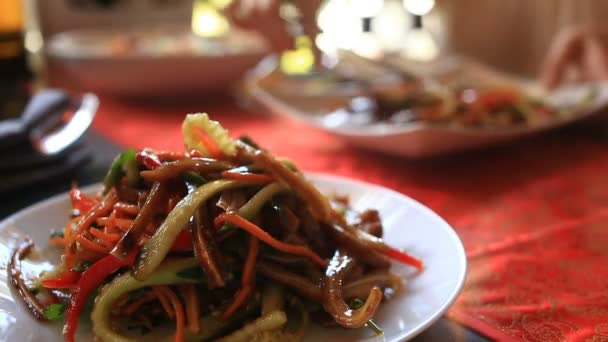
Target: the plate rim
pixel 462 258
pixel 320 176
pixel 55 51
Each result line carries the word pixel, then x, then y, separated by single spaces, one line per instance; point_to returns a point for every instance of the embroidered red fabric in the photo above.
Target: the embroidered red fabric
pixel 533 216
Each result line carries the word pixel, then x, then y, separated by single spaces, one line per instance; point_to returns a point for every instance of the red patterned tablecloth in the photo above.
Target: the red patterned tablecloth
pixel 533 216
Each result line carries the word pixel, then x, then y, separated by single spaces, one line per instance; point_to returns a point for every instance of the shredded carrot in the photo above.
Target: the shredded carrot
pixel 108 237
pixel 164 301
pixel 148 297
pixel 90 245
pixel 70 259
pixel 100 209
pixel 180 319
pixel 111 222
pixel 267 238
pixel 103 221
pixel 239 299
pixel 192 308
pixel 123 224
pixel 210 145
pixel 247 176
pixel 403 257
pixel 126 208
pixel 57 241
pixel 246 278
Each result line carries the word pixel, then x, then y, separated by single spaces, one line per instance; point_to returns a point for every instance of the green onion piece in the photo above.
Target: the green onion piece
pixel 193 178
pixel 54 311
pixel 116 171
pixel 356 304
pixel 57 233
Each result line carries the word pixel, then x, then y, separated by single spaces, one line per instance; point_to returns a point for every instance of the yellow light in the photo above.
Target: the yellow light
pixel 207 21
pixel 220 4
pixel 298 61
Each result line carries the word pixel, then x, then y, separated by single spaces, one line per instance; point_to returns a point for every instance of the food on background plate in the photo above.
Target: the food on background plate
pixel 465 106
pixel 225 239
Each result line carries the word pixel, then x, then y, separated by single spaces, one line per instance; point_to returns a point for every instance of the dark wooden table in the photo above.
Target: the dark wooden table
pixel 93 172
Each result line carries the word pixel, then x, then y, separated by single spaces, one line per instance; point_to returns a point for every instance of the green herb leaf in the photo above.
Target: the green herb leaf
pixel 116 171
pixel 56 234
pixel 54 311
pixel 193 178
pixel 191 273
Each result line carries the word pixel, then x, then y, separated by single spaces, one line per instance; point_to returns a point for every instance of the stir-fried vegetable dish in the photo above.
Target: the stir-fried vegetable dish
pixel 484 107
pixel 222 242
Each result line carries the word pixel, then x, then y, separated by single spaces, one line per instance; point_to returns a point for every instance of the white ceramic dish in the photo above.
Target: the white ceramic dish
pixel 168 62
pixel 407 223
pixel 415 140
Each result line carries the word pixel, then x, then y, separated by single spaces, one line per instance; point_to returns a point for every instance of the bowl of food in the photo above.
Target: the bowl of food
pixel 225 241
pixel 164 60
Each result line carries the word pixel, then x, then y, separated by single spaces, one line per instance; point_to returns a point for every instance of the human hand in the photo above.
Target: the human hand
pixel 583 50
pixel 264 16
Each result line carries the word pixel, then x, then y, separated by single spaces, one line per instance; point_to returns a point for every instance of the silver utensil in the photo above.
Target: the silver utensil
pixel 52 137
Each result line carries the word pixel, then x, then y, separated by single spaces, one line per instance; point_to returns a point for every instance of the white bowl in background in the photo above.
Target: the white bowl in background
pixel 163 62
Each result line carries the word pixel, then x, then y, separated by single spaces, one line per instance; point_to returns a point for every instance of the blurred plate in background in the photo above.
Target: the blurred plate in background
pixel 165 60
pixel 323 106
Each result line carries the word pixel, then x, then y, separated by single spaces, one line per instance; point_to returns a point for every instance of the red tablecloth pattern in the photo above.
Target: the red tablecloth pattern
pixel 533 216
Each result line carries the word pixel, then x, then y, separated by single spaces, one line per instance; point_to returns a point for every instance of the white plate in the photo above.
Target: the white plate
pixel 407 224
pixel 415 140
pixel 171 62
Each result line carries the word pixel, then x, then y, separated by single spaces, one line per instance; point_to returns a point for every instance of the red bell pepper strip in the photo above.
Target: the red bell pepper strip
pixel 65 280
pixel 183 242
pixel 81 201
pixel 88 282
pixel 149 160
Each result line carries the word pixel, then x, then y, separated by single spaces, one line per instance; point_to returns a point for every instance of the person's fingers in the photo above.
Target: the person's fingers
pixel 595 61
pixel 309 10
pixel 565 51
pixel 261 16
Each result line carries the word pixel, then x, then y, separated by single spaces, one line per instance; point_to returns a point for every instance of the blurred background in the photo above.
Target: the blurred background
pixel 153 47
